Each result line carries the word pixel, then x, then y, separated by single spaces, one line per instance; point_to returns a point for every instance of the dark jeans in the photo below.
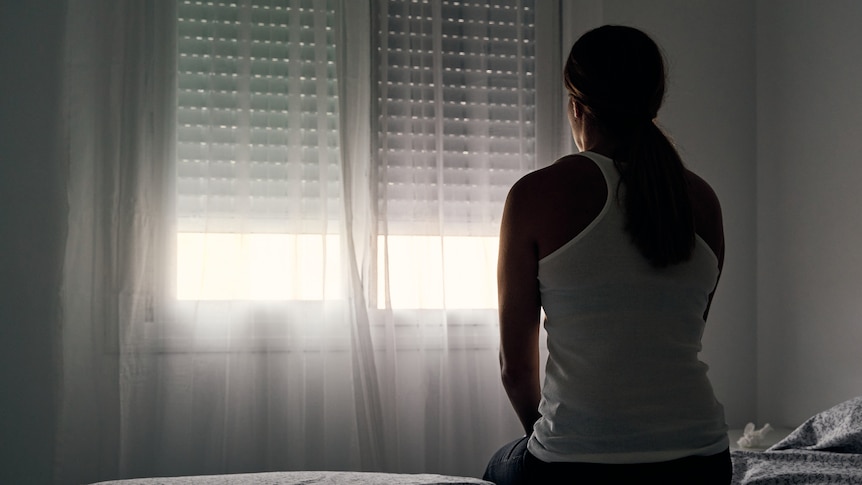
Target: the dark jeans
pixel 513 464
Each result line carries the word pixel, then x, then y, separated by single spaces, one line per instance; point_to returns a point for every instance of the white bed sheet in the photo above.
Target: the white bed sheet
pixel 305 477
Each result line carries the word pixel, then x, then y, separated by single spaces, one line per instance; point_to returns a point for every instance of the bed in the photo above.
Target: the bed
pixel 305 478
pixel 825 449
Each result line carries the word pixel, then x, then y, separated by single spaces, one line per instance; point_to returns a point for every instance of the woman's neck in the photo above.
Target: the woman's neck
pixel 600 144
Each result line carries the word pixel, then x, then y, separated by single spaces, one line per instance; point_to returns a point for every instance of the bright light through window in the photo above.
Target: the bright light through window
pixel 424 272
pixel 229 266
pixel 437 272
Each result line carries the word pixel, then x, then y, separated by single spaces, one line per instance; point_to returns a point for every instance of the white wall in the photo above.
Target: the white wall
pixel 809 220
pixel 32 234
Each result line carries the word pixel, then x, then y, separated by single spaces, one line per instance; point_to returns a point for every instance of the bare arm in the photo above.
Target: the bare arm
pixel 708 222
pixel 519 308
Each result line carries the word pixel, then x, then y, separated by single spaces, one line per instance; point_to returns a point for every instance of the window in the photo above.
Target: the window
pixel 456 124
pixel 258 173
pixel 456 130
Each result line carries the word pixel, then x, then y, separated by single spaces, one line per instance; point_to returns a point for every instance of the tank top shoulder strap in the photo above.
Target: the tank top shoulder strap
pixel 606 165
pixel 609 172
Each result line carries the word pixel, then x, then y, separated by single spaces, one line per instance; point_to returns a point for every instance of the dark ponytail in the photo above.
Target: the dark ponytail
pixel 657 205
pixel 616 75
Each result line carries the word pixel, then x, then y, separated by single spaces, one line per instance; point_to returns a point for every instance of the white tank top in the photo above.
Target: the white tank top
pixel 623 382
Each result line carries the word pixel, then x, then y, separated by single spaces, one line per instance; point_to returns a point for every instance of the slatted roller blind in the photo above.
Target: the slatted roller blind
pixel 258 143
pixel 456 106
pixel 257 135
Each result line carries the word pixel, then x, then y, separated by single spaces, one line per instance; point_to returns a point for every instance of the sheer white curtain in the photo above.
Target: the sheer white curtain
pixel 118 127
pixel 455 115
pixel 282 237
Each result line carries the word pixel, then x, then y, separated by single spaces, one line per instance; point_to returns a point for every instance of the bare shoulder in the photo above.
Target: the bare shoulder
pixel 545 187
pixel 703 196
pixel 553 204
pixel 701 187
pixel 571 168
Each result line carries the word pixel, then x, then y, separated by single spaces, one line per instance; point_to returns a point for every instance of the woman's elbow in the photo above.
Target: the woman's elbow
pixel 518 376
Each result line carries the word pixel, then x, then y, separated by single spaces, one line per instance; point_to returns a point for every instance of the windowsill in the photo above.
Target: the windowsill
pixel 261 327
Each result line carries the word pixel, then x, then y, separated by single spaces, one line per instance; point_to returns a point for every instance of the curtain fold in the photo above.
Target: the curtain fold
pixel 118 108
pixel 282 233
pixel 354 97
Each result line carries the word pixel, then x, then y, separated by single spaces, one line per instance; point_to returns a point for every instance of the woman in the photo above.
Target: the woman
pixel 622 247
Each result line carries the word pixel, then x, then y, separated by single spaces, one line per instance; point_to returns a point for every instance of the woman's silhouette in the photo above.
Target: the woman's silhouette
pixel 622 247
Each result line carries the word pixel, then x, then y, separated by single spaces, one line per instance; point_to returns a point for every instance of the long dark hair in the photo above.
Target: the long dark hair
pixel 616 75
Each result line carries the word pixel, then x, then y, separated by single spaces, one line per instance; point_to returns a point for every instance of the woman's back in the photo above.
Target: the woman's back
pixel 623 381
pixel 570 193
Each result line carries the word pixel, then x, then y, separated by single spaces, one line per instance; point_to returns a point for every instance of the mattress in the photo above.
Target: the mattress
pixel 826 449
pixel 305 478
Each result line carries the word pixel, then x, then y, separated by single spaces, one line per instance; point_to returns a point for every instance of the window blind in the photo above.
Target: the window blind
pixel 258 143
pixel 258 176
pixel 257 131
pixel 456 112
